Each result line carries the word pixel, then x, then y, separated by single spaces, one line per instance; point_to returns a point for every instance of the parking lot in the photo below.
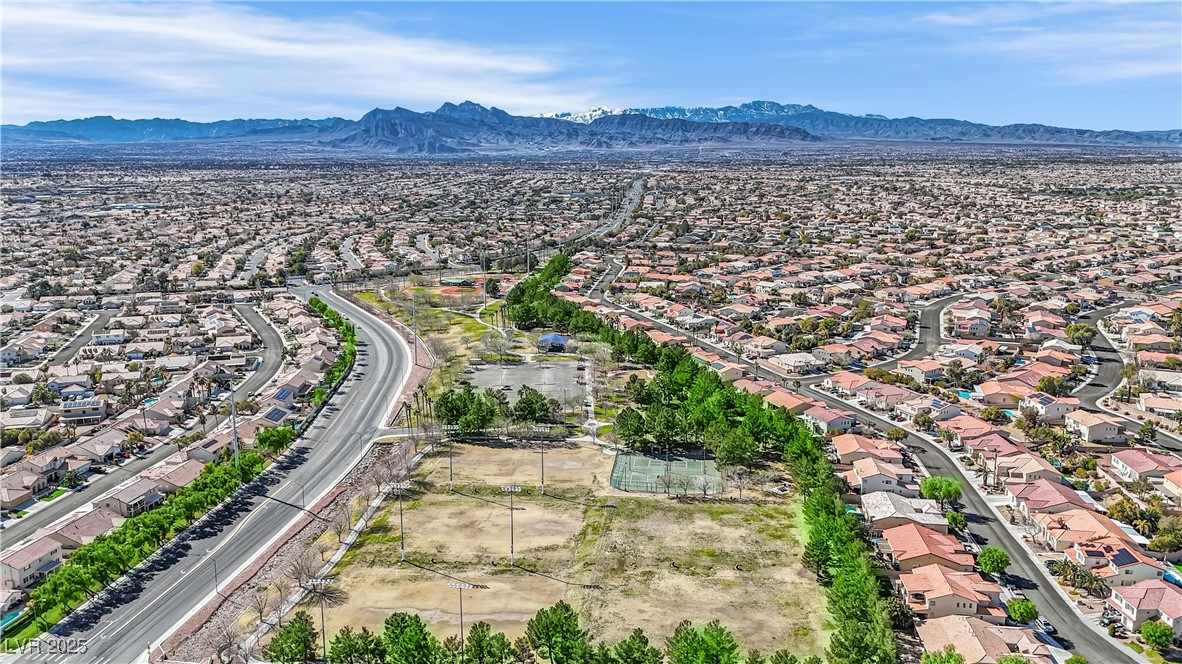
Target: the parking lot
pixel 553 379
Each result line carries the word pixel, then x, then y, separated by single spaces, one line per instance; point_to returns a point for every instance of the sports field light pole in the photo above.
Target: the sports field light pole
pixel 451 455
pixel 542 444
pixel 401 487
pixel 511 489
pixel 461 587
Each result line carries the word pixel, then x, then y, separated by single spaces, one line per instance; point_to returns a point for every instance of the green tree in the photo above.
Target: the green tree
pixel 349 647
pixel 1022 610
pixel 636 649
pixel 1147 434
pixel 1157 634
pixel 993 560
pixel 275 439
pixel 71 479
pixel 295 642
pixel 1013 659
pixel 923 421
pixel 484 646
pixel 736 448
pixel 941 489
pixel 1076 659
pixel 555 634
pixel 531 406
pixel 408 641
pixel 630 427
pixel 994 415
pixel 956 521
pixel 946 656
pixel 896 434
pixel 1081 334
pixel 1054 386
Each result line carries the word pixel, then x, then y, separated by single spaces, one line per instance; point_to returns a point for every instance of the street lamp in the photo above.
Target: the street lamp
pixel 511 489
pixel 461 587
pixel 400 487
pixel 542 444
pixel 320 584
pixel 451 457
pixel 303 495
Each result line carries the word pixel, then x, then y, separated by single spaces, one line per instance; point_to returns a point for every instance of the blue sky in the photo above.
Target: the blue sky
pixel 1083 64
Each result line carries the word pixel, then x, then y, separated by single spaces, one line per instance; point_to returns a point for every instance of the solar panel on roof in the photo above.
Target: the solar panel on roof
pixel 1123 557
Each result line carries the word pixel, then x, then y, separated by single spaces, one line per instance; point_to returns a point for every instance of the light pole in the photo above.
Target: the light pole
pixel 323 631
pixel 511 489
pixel 451 455
pixel 542 444
pixel 400 487
pixel 461 587
pixel 303 495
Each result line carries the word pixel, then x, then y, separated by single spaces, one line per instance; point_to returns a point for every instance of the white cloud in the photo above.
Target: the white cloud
pixel 1077 43
pixel 210 61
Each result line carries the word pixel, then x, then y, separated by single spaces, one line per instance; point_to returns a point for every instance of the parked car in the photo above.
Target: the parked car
pixel 1045 625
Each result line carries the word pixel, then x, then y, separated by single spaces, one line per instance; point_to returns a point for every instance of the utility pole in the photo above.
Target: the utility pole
pixel 234 425
pixel 400 487
pixel 414 321
pixel 510 489
pixel 461 587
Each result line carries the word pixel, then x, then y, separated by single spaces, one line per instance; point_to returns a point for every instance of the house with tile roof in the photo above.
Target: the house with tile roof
pixel 851 447
pixel 1044 496
pixel 1144 601
pixel 26 566
pixel 884 509
pixel 910 546
pixel 934 591
pixel 981 642
pixel 1095 427
pixel 1115 561
pixel 1135 463
pixel 870 475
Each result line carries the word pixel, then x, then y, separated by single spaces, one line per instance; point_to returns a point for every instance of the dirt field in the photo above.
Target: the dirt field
pixel 649 561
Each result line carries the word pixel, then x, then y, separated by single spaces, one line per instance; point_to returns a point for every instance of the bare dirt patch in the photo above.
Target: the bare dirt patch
pixel 623 560
pixel 583 467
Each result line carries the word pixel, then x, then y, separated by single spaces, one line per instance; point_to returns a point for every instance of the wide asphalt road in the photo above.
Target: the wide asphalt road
pixel 151 603
pixel 15 530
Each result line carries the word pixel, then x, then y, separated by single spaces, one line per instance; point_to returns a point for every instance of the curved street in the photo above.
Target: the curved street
pixel 1025 572
pixel 153 601
pixel 16 530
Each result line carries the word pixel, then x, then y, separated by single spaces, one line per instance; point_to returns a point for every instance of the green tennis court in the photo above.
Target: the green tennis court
pixel 678 473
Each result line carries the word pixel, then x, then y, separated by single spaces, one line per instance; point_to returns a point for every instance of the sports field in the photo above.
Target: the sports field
pixel 623 560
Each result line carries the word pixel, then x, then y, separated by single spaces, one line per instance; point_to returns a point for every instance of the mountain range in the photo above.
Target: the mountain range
pixel 469 128
pixel 877 127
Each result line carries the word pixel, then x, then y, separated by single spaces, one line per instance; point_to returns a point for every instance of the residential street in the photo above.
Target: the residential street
pixel 1024 572
pixel 17 529
pixel 152 602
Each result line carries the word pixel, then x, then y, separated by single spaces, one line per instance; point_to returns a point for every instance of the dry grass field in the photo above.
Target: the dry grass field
pixel 623 560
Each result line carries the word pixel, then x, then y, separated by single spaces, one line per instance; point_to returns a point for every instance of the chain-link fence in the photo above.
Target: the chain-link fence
pixel 660 473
